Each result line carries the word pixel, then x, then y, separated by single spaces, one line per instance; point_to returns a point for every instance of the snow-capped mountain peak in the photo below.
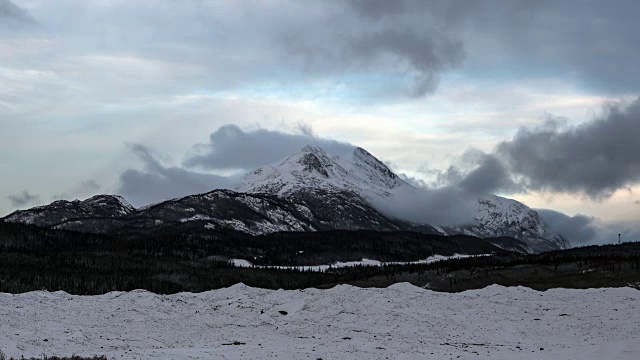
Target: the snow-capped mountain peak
pixel 496 216
pixel 312 167
pixel 375 170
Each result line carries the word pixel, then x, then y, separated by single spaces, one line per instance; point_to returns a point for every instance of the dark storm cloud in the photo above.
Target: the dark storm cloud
pixel 578 229
pixel 586 230
pixel 489 176
pixel 429 53
pixel 477 172
pixel 23 199
pixel 369 47
pixel 420 42
pixel 11 12
pixel 595 158
pixel 591 43
pixel 377 8
pixel 157 182
pixel 231 148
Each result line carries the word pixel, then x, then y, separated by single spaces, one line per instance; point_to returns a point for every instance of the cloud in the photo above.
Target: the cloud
pixel 556 39
pixel 587 230
pixel 595 158
pixel 428 53
pixel 89 186
pixel 23 199
pixel 578 229
pixel 377 8
pixel 489 176
pixel 231 148
pixel 534 39
pixel 412 42
pixel 157 182
pixel 82 190
pixel 11 12
pixel 434 206
pixel 413 181
pixel 478 172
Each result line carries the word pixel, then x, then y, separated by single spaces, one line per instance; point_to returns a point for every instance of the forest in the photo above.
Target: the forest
pixel 175 260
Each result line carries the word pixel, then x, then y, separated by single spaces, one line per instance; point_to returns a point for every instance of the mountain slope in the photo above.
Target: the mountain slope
pixel 308 191
pixel 314 169
pixel 496 216
pixel 102 206
pixel 251 213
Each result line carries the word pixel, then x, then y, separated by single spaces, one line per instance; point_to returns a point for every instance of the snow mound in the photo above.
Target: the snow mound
pixel 345 322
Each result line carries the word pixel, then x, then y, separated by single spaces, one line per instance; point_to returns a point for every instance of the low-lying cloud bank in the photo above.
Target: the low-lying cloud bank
pixel 587 230
pixel 157 182
pixel 594 159
pixel 432 206
pixel 231 148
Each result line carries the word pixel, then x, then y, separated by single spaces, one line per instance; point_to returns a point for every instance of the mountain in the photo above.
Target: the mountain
pixel 312 167
pixel 496 216
pixel 99 206
pixel 362 173
pixel 306 210
pixel 310 190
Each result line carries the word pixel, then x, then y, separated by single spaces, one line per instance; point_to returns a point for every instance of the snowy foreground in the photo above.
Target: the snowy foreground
pixel 399 322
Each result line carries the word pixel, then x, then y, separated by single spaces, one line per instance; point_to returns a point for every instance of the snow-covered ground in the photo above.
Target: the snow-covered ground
pixel 399 322
pixel 363 262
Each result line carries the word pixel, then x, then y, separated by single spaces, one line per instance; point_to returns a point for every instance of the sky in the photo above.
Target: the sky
pixel 534 100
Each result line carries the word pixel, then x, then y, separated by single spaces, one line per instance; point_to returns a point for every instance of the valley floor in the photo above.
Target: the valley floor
pixel 345 322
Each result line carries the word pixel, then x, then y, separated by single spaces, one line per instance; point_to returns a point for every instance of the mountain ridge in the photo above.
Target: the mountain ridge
pixel 309 190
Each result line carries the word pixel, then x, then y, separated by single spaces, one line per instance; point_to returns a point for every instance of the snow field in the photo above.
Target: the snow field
pixel 345 322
